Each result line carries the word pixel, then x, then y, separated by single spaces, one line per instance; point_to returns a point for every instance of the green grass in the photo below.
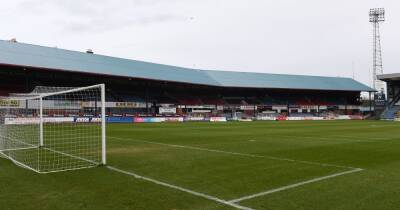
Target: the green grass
pixel 74 139
pixel 246 168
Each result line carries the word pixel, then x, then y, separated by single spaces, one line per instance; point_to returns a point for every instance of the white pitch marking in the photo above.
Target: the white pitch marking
pixel 234 201
pixel 26 148
pixel 372 139
pixel 236 153
pixel 347 140
pixel 294 185
pixel 49 149
pixel 209 197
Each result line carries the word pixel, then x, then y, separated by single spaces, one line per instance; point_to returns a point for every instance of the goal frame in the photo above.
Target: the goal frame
pixel 41 143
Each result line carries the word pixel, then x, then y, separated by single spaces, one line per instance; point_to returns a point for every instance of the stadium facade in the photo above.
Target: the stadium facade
pixel 136 88
pixel 392 108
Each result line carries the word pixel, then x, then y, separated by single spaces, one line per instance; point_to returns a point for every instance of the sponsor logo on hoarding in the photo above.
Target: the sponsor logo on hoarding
pixel 119 119
pixel 21 121
pixel 129 105
pixel 248 107
pixel 309 107
pixel 343 117
pixel 87 119
pixel 194 119
pixel 96 120
pixel 218 119
pixel 138 120
pixel 281 118
pixel 36 120
pixel 295 118
pixel 266 118
pixel 82 119
pixel 279 107
pixel 157 119
pixel 245 120
pixel 163 110
pixel 58 119
pixel 174 119
pixel 66 103
pixel 9 103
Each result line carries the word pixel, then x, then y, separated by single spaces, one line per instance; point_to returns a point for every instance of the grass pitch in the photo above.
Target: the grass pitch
pixel 248 165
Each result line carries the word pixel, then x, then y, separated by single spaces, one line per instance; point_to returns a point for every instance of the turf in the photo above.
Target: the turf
pixel 227 161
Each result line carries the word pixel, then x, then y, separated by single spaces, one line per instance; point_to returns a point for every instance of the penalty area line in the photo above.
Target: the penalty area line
pixel 198 194
pixel 295 185
pixel 236 153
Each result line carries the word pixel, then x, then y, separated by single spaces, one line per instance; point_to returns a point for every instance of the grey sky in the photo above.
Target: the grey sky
pixel 312 37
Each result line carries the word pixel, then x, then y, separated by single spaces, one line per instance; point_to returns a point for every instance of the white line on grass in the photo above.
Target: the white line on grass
pixel 371 139
pixel 234 202
pixel 346 139
pixel 26 148
pixel 49 149
pixel 235 153
pixel 294 185
pixel 209 197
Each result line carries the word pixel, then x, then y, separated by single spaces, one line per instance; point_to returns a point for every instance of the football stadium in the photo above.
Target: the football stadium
pixel 152 136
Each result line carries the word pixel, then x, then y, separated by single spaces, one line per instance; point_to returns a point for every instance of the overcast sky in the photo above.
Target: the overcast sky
pixel 311 37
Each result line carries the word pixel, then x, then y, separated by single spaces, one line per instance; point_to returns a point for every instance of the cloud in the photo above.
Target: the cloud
pixel 290 36
pixel 102 15
pixel 102 24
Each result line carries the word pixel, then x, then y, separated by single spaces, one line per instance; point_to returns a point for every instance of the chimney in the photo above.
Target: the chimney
pixel 89 51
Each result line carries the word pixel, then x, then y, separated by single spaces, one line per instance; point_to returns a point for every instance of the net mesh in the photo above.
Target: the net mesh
pixel 67 137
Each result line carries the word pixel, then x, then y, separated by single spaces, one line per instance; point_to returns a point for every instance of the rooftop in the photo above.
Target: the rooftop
pixel 389 77
pixel 28 55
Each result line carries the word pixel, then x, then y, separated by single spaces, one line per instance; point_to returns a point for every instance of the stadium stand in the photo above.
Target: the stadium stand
pixel 214 101
pixel 142 88
pixel 392 107
pixel 390 113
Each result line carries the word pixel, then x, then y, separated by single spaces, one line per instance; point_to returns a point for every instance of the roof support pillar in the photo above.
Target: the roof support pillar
pixel 370 101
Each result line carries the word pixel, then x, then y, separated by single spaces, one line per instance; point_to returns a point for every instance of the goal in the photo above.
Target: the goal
pixel 54 129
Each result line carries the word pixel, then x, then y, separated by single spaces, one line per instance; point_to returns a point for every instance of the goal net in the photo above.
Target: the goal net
pixel 54 129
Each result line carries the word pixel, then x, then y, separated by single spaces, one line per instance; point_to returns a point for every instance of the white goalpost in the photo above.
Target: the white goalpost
pixel 54 129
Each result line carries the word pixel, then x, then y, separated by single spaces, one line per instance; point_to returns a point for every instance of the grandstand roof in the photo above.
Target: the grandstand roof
pixel 389 77
pixel 27 55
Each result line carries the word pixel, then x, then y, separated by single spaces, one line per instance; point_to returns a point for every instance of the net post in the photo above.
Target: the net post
pixel 41 143
pixel 103 124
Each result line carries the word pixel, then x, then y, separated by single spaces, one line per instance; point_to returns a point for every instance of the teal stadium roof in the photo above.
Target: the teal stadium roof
pixel 28 55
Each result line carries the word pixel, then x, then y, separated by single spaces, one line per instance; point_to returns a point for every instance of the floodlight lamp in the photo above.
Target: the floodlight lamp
pixel 377 15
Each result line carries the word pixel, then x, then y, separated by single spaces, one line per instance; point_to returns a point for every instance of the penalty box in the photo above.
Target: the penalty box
pixel 229 176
